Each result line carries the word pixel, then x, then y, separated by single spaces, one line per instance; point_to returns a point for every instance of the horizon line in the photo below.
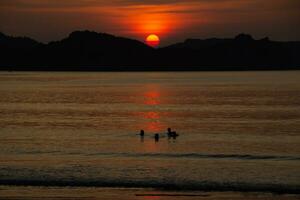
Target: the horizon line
pixel 125 37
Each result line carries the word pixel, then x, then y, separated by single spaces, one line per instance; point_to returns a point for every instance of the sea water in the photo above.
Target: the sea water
pixel 238 131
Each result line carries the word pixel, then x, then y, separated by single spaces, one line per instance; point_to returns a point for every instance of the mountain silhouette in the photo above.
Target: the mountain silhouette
pixel 87 50
pixel 17 42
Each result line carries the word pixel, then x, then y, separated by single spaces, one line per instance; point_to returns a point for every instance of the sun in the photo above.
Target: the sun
pixel 153 40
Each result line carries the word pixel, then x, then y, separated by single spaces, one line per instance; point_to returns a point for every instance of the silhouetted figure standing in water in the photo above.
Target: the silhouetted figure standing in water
pixel 142 133
pixel 172 134
pixel 156 137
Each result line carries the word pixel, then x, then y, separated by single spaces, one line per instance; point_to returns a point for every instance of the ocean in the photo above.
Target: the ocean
pixel 75 133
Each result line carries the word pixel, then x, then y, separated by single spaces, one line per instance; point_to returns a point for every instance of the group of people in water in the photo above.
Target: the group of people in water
pixel 170 134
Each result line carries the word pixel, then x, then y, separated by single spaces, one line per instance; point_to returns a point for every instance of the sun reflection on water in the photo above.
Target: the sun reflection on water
pixel 154 126
pixel 152 99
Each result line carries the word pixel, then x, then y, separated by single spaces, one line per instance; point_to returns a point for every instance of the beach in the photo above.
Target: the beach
pixel 30 193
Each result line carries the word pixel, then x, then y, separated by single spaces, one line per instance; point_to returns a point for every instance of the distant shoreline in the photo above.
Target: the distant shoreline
pixel 92 51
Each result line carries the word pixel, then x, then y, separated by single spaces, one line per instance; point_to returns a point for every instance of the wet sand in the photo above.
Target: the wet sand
pixel 90 193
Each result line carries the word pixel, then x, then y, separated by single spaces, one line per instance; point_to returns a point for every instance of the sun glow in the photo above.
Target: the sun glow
pixel 144 20
pixel 153 40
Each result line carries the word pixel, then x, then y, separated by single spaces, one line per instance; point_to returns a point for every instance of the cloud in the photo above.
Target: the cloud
pixel 196 5
pixel 48 19
pixel 91 3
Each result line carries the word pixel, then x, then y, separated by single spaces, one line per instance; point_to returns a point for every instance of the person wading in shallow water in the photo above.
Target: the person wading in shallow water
pixel 172 134
pixel 142 133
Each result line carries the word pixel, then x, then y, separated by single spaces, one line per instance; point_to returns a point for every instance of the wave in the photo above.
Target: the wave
pixel 200 156
pixel 206 186
pixel 174 155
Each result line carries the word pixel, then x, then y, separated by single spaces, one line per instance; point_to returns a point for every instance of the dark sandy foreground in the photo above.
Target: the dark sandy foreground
pixel 37 193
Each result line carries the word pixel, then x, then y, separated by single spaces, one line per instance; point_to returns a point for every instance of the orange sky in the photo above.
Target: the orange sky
pixel 171 20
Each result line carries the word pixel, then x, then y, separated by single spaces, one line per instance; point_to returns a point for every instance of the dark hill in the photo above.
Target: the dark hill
pixel 17 43
pixel 242 52
pixel 85 50
pixel 16 48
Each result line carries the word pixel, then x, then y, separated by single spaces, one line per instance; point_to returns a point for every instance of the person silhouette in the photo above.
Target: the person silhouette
pixel 142 133
pixel 172 134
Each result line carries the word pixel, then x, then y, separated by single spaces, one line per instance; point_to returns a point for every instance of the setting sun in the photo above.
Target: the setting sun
pixel 153 40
